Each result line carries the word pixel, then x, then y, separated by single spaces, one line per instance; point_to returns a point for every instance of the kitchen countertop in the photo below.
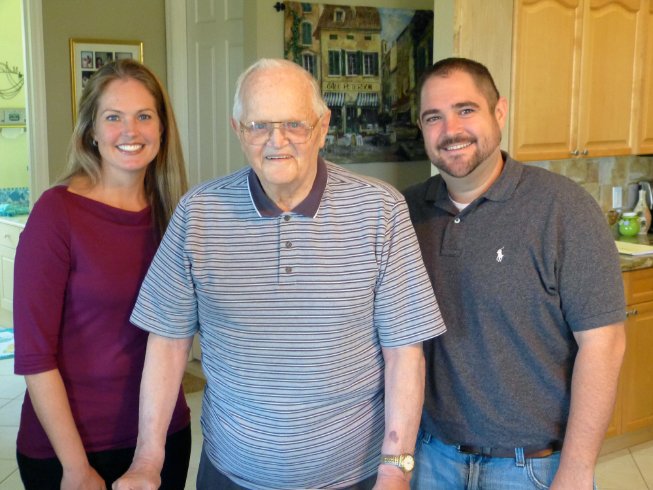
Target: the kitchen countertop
pixel 15 220
pixel 631 263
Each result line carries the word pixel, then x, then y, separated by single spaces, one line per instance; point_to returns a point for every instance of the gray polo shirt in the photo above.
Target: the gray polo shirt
pixel 293 309
pixel 516 273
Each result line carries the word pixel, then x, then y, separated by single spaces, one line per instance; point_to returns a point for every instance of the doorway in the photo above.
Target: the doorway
pixel 205 45
pixel 34 93
pixel 14 158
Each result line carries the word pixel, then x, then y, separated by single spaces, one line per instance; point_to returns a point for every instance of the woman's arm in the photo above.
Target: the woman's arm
pixel 48 395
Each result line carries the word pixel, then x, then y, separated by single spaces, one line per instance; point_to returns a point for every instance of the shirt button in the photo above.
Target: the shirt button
pixel 457 220
pixel 288 244
pixel 288 270
pixel 286 218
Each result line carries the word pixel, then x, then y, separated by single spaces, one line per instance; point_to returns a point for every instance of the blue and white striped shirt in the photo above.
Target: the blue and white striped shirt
pixel 292 310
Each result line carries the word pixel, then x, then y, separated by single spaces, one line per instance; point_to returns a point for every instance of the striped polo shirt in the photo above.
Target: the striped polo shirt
pixel 292 309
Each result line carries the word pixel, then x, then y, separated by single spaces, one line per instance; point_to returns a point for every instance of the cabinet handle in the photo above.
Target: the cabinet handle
pixel 574 153
pixel 586 152
pixel 632 312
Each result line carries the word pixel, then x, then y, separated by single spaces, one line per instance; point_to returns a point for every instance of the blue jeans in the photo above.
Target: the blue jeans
pixel 441 466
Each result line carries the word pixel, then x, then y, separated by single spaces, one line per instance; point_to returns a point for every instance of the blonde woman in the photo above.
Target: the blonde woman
pixel 80 261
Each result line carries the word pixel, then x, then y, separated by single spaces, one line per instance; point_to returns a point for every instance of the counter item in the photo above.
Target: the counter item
pixel 644 213
pixel 629 224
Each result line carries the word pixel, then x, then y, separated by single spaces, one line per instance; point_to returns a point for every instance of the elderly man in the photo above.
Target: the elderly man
pixel 306 285
pixel 520 391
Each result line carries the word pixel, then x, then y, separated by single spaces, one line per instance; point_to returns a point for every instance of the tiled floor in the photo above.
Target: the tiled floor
pixel 630 469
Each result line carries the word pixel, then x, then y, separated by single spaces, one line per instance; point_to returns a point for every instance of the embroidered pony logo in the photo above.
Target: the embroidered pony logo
pixel 500 255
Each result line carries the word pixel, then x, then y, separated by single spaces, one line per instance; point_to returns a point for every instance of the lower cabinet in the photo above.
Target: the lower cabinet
pixel 637 371
pixel 634 406
pixel 8 242
pixel 7 277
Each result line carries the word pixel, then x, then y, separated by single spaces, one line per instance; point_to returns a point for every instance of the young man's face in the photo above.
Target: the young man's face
pixel 460 130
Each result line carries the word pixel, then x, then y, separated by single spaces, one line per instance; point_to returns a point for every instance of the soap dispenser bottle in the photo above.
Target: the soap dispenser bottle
pixel 644 213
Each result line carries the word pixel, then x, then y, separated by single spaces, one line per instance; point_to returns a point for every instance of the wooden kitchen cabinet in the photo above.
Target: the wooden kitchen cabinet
pixel 637 371
pixel 574 81
pixel 634 406
pixel 645 136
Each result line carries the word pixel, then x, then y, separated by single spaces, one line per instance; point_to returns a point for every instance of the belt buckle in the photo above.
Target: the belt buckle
pixel 474 450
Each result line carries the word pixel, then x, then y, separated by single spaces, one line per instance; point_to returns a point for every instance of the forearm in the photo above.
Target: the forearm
pixel 404 396
pixel 165 363
pixel 593 393
pixel 50 402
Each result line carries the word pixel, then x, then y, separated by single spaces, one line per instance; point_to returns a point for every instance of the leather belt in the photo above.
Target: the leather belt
pixel 498 452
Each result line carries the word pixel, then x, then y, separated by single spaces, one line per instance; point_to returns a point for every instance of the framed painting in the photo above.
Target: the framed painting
pixel 88 55
pixel 367 61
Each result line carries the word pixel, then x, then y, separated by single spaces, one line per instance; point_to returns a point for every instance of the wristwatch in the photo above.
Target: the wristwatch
pixel 404 461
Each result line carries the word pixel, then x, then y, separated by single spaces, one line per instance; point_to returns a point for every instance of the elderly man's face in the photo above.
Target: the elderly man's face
pixel 284 166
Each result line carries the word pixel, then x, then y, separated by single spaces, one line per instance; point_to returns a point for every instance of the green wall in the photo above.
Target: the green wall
pixel 142 20
pixel 13 142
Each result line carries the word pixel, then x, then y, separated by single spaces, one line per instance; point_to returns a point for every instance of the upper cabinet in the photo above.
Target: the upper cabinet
pixel 576 77
pixel 645 107
pixel 546 51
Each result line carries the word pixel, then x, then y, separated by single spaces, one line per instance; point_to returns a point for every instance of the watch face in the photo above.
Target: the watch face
pixel 408 463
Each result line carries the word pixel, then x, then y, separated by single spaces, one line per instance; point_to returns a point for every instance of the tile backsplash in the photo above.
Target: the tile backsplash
pixel 599 175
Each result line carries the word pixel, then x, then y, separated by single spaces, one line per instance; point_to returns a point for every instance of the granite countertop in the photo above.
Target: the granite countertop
pixel 631 263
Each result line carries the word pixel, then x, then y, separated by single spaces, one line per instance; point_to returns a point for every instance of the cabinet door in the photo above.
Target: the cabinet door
pixel 637 372
pixel 645 143
pixel 638 286
pixel 546 50
pixel 7 278
pixel 608 65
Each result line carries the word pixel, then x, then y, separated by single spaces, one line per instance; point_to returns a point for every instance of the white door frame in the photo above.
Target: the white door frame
pixel 37 121
pixel 177 71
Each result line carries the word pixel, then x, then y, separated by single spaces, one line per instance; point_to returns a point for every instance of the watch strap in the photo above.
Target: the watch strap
pixel 405 462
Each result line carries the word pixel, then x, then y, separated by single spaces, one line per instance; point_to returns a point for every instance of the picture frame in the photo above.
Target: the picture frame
pixel 367 61
pixel 88 55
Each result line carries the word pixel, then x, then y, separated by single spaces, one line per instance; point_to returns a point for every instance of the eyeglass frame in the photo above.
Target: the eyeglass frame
pixel 277 124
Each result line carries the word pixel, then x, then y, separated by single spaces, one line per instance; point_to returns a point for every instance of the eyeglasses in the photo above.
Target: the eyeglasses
pixel 259 132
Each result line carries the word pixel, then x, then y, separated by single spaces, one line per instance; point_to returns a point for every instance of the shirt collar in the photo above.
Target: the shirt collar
pixel 308 207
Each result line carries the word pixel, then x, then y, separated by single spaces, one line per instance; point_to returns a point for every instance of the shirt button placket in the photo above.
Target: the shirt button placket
pixel 287 245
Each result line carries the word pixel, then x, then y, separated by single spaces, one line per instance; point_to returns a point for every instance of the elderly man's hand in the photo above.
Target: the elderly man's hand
pixel 391 478
pixel 140 476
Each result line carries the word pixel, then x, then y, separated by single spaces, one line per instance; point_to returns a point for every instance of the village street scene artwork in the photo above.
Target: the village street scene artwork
pixel 367 61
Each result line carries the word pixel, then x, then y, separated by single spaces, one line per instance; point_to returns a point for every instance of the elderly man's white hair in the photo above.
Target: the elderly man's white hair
pixel 319 107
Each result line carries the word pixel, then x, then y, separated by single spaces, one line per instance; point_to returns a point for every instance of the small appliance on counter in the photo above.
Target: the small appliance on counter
pixel 633 194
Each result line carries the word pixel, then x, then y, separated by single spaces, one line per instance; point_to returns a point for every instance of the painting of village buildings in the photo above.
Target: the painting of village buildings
pixel 367 61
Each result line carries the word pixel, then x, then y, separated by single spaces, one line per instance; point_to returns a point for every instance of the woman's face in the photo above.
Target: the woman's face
pixel 127 129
